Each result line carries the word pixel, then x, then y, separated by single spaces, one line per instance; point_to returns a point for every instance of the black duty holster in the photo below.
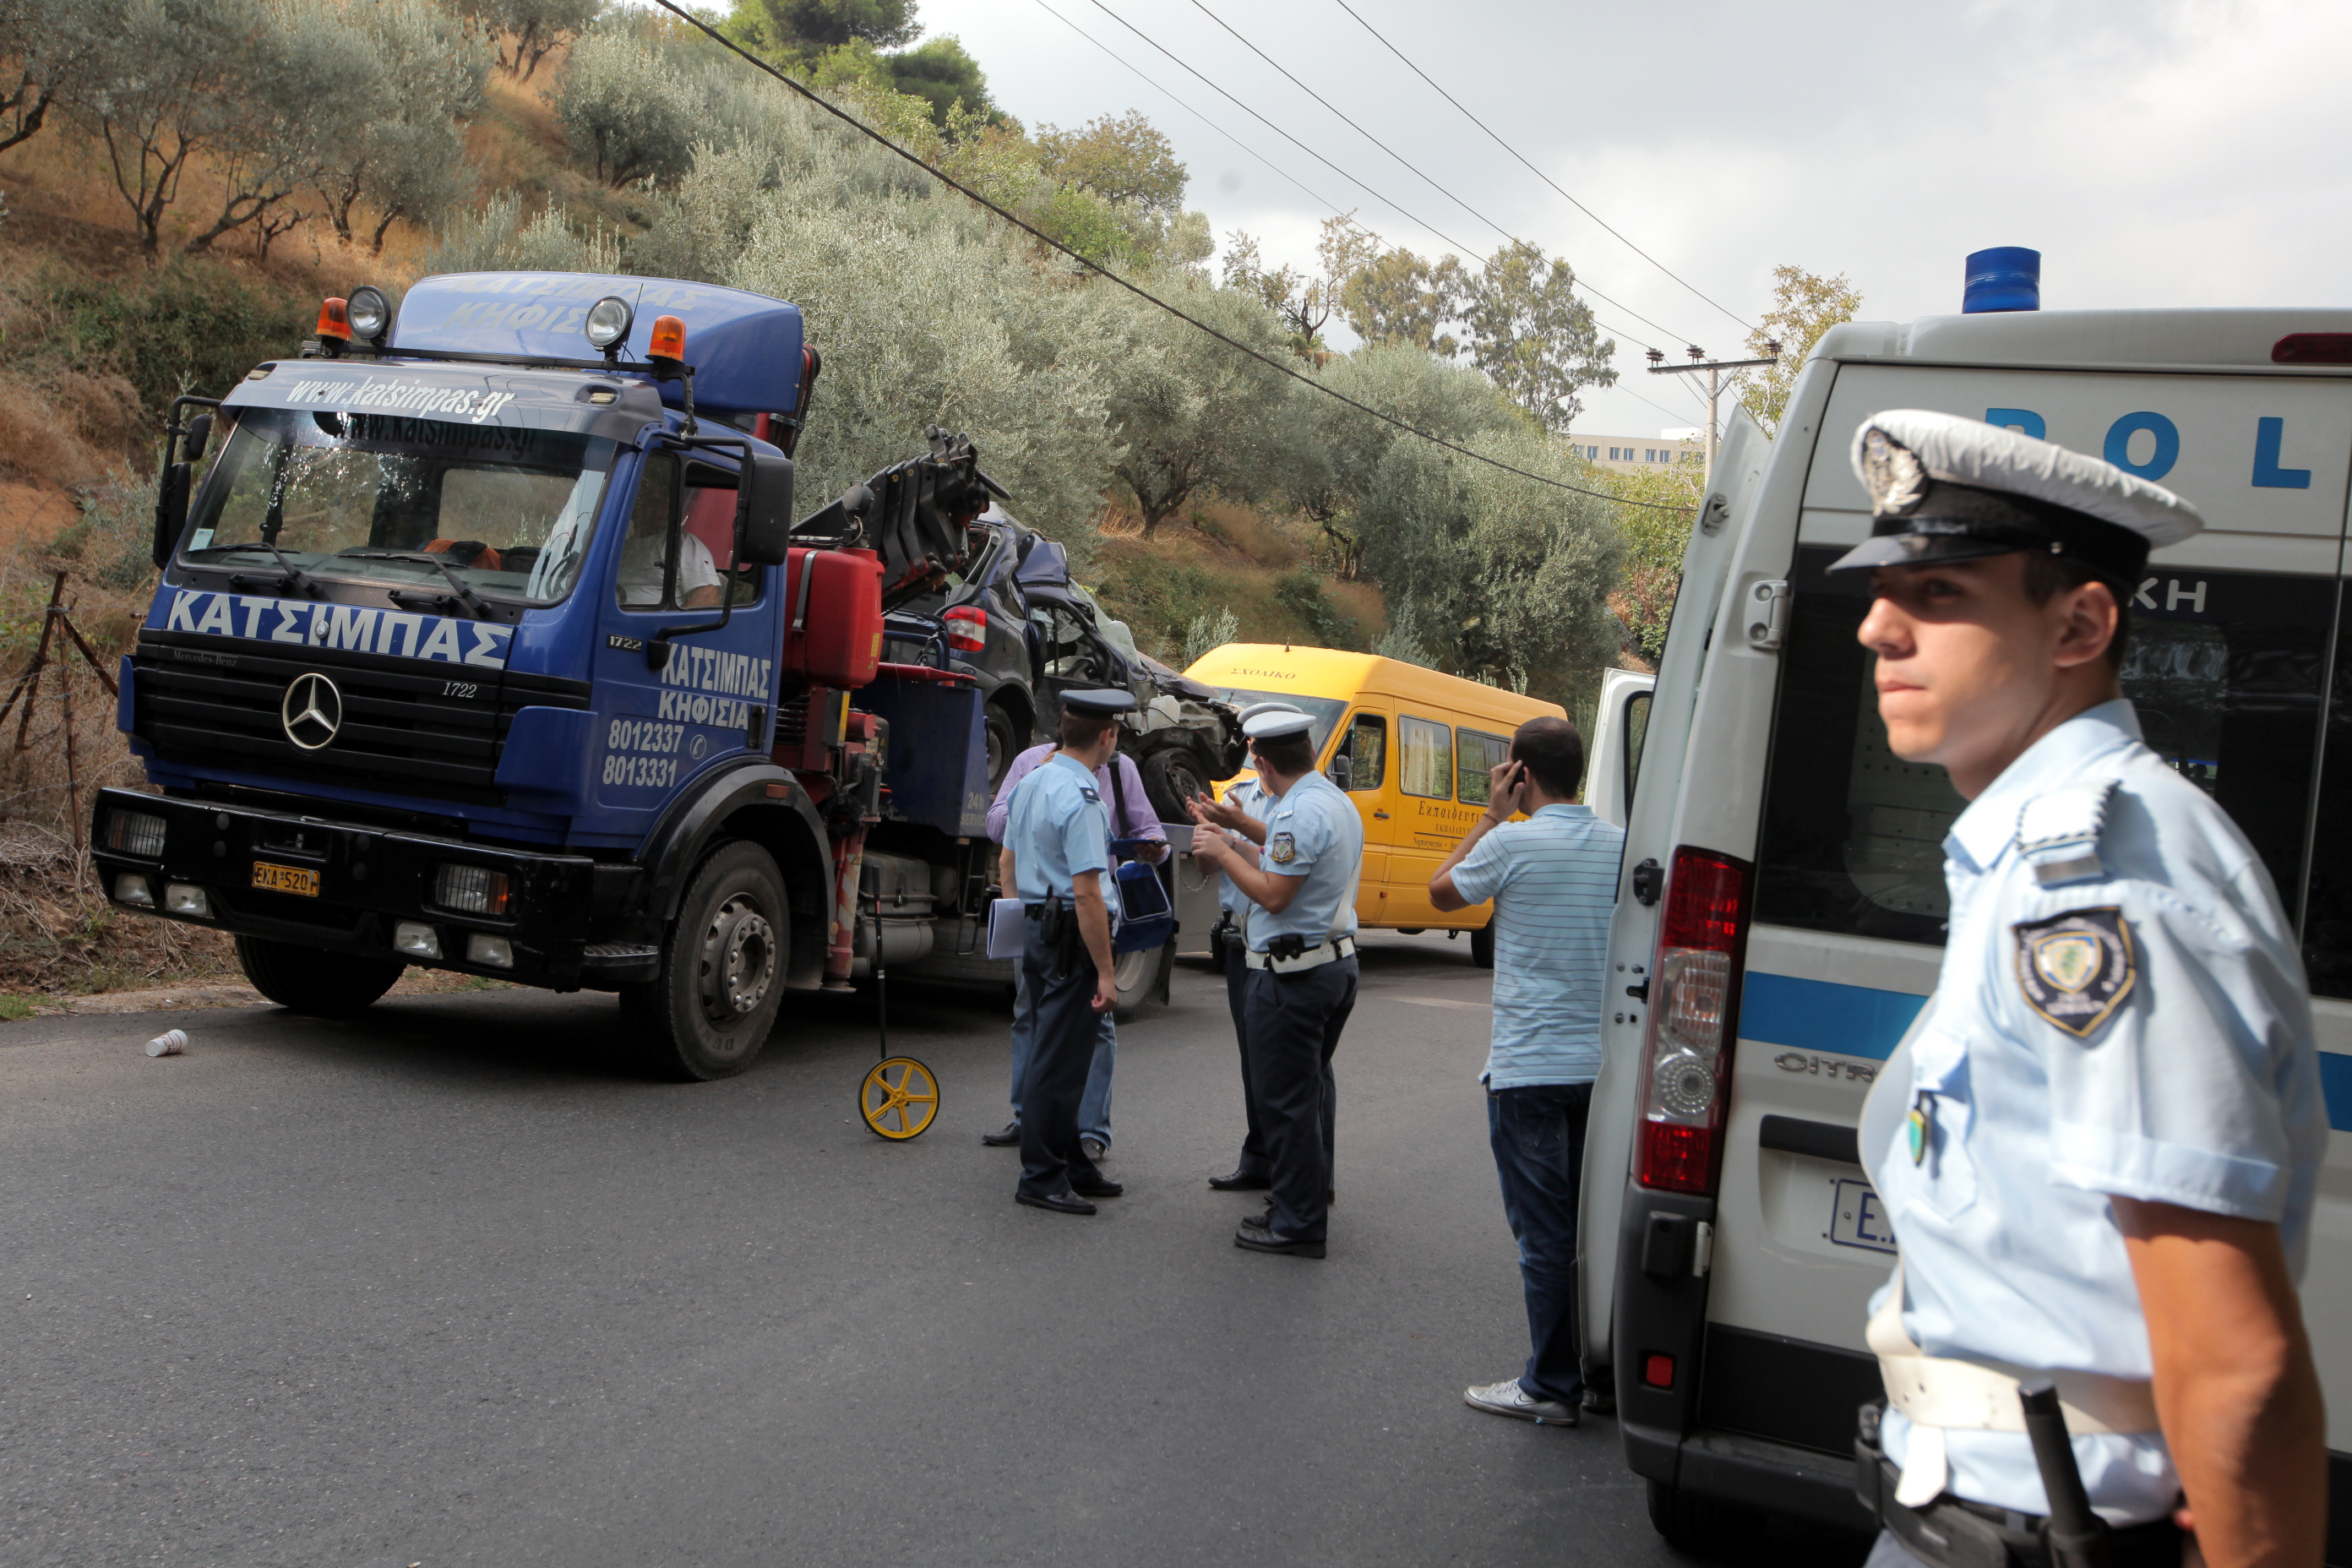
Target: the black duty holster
pixel 1951 1533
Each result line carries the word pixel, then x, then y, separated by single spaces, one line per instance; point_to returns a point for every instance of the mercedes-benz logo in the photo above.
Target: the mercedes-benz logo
pixel 312 712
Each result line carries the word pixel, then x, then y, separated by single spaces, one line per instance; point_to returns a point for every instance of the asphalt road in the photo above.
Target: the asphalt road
pixel 453 1285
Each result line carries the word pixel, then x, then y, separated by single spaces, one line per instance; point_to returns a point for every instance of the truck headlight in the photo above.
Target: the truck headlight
pixel 609 320
pixel 135 833
pixel 416 939
pixel 471 890
pixel 370 313
pixel 187 898
pixel 489 952
pixel 131 888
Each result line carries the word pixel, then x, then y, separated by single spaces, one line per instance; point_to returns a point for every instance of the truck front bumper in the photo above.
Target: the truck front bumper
pixel 369 892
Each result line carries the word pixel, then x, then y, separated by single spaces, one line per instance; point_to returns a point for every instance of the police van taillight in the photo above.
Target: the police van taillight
pixel 1693 999
pixel 967 627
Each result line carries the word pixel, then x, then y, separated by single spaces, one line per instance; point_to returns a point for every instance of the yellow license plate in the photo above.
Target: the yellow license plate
pixel 285 879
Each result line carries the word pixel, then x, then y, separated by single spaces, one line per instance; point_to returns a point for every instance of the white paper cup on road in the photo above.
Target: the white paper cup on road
pixel 171 1044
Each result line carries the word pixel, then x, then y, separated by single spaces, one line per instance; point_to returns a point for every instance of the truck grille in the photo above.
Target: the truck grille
pixel 435 730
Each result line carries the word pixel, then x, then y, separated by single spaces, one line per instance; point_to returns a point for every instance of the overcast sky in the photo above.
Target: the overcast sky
pixel 2155 154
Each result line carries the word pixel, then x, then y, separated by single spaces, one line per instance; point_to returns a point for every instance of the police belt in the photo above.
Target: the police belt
pixel 1953 1533
pixel 1328 951
pixel 1982 1396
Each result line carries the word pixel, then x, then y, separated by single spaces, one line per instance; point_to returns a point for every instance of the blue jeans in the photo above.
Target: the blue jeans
pixel 1538 1133
pixel 1094 1111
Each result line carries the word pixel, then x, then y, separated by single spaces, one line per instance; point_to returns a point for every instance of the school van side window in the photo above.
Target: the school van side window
pixel 1480 755
pixel 1425 759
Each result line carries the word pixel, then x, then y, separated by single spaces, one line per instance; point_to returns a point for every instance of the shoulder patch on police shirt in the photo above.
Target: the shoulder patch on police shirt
pixel 2075 969
pixel 1281 849
pixel 2058 832
pixel 1092 797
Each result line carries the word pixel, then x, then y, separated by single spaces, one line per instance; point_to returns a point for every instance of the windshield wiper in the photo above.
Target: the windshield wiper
pixel 475 603
pixel 294 577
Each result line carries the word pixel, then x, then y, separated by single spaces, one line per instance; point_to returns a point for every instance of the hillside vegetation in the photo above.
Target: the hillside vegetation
pixel 181 183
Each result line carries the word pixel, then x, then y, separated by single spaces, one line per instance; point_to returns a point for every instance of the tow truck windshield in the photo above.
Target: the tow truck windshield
pixel 502 511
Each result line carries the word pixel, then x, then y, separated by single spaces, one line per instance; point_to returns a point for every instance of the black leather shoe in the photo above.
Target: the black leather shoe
pixel 1241 1181
pixel 1097 1189
pixel 1060 1203
pixel 1261 1221
pixel 1250 1239
pixel 1012 1134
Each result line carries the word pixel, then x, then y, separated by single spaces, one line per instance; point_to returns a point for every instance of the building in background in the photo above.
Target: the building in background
pixel 1635 453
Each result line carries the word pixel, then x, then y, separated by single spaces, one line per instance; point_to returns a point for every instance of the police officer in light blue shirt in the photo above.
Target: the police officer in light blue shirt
pixel 2099 1147
pixel 1302 963
pixel 1057 835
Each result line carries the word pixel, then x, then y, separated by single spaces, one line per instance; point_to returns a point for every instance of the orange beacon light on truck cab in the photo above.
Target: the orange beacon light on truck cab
pixel 668 340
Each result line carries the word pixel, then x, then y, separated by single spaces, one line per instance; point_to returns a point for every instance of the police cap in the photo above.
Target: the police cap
pixel 1946 488
pixel 1100 704
pixel 1272 724
pixel 1254 709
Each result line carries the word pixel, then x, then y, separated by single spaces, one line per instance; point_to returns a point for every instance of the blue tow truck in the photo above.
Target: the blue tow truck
pixel 487 641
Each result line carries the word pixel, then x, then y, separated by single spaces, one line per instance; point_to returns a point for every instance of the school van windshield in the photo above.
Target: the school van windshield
pixel 507 511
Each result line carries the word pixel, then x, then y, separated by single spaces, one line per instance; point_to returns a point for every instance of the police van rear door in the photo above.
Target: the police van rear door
pixel 1670 744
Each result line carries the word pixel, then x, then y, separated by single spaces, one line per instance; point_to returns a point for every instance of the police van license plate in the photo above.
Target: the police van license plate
pixel 1858 1219
pixel 285 879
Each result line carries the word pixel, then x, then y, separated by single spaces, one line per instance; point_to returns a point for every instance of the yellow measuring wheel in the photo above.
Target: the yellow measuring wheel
pixel 900 1098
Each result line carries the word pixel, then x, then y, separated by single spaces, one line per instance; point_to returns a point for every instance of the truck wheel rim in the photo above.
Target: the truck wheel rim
pixel 739 960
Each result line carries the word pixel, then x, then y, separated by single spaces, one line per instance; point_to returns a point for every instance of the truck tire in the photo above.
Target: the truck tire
pixel 1141 977
pixel 1172 775
pixel 1482 945
pixel 722 971
pixel 1701 1525
pixel 1004 743
pixel 323 984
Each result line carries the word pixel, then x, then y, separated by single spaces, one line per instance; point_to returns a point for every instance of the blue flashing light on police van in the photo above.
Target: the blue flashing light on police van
pixel 2005 277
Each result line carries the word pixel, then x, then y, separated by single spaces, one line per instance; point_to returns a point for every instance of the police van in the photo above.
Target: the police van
pixel 1781 910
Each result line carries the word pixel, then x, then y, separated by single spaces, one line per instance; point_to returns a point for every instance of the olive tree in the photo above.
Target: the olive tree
pixel 1347 444
pixel 307 88
pixel 402 150
pixel 162 87
pixel 1496 576
pixel 526 32
pixel 1198 417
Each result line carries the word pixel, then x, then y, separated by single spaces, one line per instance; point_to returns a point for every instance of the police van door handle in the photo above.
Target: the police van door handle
pixel 1382 814
pixel 1768 614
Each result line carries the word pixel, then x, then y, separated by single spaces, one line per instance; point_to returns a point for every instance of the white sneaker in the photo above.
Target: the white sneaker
pixel 1508 1399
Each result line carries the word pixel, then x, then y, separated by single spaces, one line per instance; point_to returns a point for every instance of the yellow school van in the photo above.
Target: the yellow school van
pixel 1418 744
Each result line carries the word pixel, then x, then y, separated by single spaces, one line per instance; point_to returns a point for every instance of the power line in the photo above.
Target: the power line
pixel 1539 173
pixel 1400 157
pixel 1287 136
pixel 1324 201
pixel 1137 291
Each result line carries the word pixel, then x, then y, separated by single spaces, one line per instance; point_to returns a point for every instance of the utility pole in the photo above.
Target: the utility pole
pixel 1715 369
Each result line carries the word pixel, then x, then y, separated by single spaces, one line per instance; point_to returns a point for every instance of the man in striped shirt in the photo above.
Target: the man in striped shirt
pixel 1553 879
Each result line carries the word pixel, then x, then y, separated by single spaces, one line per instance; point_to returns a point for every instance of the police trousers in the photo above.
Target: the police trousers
pixel 1254 1161
pixel 1060 976
pixel 1293 1023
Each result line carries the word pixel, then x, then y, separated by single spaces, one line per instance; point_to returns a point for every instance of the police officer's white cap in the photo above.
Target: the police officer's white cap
pixel 1100 704
pixel 1274 724
pixel 1254 709
pixel 1942 487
